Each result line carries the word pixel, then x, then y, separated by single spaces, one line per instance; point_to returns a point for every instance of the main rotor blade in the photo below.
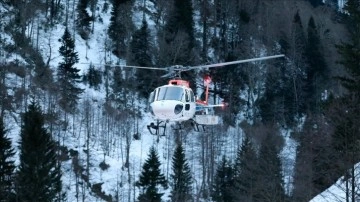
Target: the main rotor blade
pixel 137 67
pixel 235 62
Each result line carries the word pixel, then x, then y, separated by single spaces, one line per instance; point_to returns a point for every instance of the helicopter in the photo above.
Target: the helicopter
pixel 176 101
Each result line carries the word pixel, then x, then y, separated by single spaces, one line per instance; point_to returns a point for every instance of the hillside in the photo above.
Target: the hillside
pixel 281 136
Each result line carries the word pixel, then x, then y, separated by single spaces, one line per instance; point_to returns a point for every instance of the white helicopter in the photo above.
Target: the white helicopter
pixel 176 102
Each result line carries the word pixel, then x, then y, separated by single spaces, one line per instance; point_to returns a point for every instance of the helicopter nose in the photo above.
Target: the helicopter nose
pixel 166 110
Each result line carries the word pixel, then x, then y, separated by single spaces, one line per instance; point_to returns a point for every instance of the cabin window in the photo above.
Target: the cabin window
pixel 187 96
pixel 170 93
pixel 192 96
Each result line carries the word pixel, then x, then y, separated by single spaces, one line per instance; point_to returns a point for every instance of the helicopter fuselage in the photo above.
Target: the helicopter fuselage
pixel 173 102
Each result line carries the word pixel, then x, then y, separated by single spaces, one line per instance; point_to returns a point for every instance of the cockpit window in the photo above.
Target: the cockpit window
pixel 151 97
pixel 170 93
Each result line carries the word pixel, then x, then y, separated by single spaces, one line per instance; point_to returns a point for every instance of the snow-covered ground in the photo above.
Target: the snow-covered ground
pixel 117 179
pixel 338 191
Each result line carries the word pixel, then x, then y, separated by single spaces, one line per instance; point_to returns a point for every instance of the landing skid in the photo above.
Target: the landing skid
pixel 188 124
pixel 199 124
pixel 156 129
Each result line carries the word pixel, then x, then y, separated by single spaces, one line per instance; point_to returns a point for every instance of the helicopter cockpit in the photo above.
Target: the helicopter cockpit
pixel 170 93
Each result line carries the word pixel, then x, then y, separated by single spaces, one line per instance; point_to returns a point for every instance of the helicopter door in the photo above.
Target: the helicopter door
pixel 189 103
pixel 187 100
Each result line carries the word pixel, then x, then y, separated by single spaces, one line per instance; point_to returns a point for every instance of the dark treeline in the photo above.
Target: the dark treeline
pixel 314 92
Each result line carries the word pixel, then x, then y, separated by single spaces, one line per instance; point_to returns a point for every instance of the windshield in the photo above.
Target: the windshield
pixel 151 97
pixel 170 93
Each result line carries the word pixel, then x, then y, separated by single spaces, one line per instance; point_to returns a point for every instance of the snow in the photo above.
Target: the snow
pixel 116 179
pixel 288 157
pixel 337 192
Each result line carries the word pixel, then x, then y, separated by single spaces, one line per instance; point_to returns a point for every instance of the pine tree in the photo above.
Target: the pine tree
pixel 345 115
pixel 83 19
pixel 350 51
pixel 316 3
pixel 181 177
pixel 181 20
pixel 151 179
pixel 271 104
pixel 118 85
pixel 246 166
pixel 93 77
pixel 229 82
pixel 223 185
pixel 68 75
pixel 295 98
pixel 7 165
pixel 314 160
pixel 177 41
pixel 315 71
pixel 141 54
pixel 141 46
pixel 115 31
pixel 39 175
pixel 120 26
pixel 270 183
pixel 346 135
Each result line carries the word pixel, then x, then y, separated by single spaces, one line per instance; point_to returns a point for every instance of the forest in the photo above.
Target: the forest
pixel 73 121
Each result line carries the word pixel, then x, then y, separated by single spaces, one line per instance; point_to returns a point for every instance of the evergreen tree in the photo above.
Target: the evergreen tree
pixel 223 183
pixel 177 40
pixel 181 20
pixel 229 82
pixel 141 46
pixel 121 26
pixel 151 179
pixel 93 77
pixel 350 51
pixel 181 177
pixel 83 19
pixel 270 183
pixel 314 160
pixel 118 86
pixel 294 99
pixel 246 166
pixel 271 104
pixel 315 72
pixel 345 143
pixel 141 54
pixel 316 3
pixel 39 175
pixel 68 75
pixel 115 31
pixel 346 136
pixel 7 165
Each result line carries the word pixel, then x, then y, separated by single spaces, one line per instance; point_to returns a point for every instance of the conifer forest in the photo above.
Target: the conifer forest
pixel 73 119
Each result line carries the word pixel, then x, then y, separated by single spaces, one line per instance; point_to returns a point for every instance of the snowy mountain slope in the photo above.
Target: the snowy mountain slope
pixel 99 140
pixel 108 143
pixel 341 190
